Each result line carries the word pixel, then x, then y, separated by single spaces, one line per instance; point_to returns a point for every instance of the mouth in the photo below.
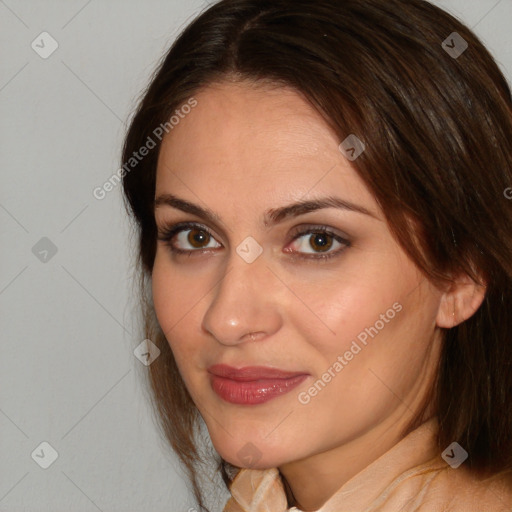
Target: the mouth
pixel 252 385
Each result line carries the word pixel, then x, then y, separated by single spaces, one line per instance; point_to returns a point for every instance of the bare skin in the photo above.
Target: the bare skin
pixel 245 151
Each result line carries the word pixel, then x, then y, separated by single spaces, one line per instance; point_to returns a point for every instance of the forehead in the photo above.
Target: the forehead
pixel 256 140
pixel 231 116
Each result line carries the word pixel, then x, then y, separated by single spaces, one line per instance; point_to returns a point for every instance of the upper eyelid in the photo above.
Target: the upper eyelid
pixel 178 227
pixel 344 240
pixel 211 217
pixel 171 230
pixel 297 232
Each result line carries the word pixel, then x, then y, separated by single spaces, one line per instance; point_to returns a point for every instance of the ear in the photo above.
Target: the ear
pixel 460 301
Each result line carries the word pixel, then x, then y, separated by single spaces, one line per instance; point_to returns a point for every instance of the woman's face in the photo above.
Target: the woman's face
pixel 283 240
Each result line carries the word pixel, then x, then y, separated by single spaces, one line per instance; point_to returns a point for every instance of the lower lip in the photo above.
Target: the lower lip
pixel 253 392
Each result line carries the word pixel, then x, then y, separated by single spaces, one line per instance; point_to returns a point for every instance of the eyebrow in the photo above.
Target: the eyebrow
pixel 272 216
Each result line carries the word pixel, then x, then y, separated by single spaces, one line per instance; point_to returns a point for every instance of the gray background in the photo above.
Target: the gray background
pixel 68 375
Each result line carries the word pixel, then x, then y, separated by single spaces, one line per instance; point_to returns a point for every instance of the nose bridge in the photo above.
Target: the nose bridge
pixel 242 302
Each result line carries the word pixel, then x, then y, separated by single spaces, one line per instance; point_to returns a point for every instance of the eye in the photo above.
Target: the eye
pixel 188 238
pixel 317 242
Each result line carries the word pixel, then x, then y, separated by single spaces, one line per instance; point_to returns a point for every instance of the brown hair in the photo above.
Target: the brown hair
pixel 438 135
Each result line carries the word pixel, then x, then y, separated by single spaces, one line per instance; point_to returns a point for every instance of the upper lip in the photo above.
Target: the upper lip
pixel 250 373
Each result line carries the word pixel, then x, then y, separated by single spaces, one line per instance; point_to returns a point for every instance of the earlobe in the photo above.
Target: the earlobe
pixel 459 302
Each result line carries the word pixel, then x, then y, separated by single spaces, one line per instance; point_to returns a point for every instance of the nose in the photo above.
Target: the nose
pixel 244 304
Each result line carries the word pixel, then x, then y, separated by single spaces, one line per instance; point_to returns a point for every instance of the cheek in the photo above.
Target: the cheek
pixel 176 291
pixel 379 313
pixel 344 305
pixel 384 340
pixel 176 299
pixel 165 301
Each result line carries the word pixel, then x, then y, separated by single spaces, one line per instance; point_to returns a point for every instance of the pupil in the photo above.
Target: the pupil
pixel 320 241
pixel 197 237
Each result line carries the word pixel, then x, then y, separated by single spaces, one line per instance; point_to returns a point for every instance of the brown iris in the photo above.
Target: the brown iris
pixel 320 242
pixel 198 238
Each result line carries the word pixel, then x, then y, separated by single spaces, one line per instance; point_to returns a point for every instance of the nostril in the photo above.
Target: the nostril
pixel 251 335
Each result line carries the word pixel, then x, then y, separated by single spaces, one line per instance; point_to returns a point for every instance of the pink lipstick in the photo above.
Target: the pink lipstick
pixel 252 385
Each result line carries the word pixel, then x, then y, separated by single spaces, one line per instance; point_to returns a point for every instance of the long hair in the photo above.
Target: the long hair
pixel 435 113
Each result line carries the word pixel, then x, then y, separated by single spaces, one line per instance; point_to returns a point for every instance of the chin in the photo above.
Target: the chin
pixel 253 454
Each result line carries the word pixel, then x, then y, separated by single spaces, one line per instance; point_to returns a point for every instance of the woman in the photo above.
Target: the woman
pixel 325 253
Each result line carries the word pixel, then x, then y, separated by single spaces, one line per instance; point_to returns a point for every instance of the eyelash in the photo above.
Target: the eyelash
pixel 167 233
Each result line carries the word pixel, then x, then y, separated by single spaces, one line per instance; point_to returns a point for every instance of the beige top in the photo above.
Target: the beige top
pixel 410 477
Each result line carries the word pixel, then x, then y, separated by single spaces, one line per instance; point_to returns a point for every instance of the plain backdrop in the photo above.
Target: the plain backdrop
pixel 68 374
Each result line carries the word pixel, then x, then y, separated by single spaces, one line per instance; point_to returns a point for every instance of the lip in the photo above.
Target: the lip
pixel 252 385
